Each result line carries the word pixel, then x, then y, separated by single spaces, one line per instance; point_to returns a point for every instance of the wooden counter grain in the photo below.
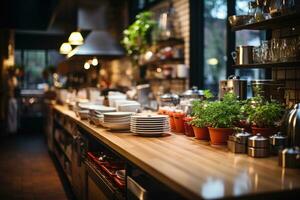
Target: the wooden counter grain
pixel 195 169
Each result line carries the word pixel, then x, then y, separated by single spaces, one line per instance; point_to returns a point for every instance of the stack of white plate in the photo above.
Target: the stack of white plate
pixel 149 125
pixel 117 120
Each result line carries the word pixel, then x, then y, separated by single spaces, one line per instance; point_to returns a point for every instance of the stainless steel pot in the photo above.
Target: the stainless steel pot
pixel 258 141
pixel 269 89
pixel 258 146
pixel 188 96
pixel 243 55
pixel 292 122
pixel 289 157
pixel 278 142
pixel 169 99
pixel 233 85
pixel 258 152
pixel 237 143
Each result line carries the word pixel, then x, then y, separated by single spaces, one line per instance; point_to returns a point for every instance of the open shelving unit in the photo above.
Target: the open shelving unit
pixel 287 20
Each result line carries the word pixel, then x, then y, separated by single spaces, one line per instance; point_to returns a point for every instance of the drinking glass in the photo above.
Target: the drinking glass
pixel 275 50
pixel 257 58
pixel 265 51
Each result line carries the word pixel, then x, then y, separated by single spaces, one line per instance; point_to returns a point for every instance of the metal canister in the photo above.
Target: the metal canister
pixel 289 157
pixel 237 143
pixel 277 142
pixel 258 146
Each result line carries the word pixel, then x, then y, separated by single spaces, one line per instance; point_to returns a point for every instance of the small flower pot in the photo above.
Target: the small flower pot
pixel 179 123
pixel 201 133
pixel 266 132
pixel 172 122
pixel 219 136
pixel 188 129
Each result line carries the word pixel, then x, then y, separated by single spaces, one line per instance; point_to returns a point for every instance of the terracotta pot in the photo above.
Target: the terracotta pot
pixel 172 122
pixel 179 123
pixel 188 129
pixel 266 132
pixel 201 133
pixel 219 136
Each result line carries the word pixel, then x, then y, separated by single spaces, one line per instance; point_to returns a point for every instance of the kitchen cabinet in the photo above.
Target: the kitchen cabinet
pixel 183 167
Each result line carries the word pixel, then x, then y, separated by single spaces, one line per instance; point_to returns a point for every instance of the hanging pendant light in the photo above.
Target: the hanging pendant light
pixel 95 61
pixel 65 48
pixel 76 38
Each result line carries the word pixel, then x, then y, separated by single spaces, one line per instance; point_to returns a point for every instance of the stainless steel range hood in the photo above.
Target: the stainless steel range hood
pixel 98 16
pixel 98 43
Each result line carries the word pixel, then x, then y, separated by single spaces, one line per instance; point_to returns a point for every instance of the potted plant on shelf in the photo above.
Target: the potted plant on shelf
pixel 223 116
pixel 263 116
pixel 200 120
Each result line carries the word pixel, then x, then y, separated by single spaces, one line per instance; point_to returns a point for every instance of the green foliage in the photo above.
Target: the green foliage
pixel 260 112
pixel 224 114
pixel 200 119
pixel 265 114
pixel 135 37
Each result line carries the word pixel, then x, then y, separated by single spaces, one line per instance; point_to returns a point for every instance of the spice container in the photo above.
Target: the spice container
pixel 289 157
pixel 238 143
pixel 258 146
pixel 178 120
pixel 188 129
pixel 278 142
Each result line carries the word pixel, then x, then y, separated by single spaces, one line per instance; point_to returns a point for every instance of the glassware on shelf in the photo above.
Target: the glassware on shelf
pixel 275 50
pixel 287 6
pixel 266 51
pixel 259 11
pixel 257 58
pixel 275 8
pixel 251 11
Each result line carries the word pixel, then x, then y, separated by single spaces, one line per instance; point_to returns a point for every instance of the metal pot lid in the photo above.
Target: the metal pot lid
pixel 243 134
pixel 258 141
pixel 291 151
pixel 242 137
pixel 193 92
pixel 258 137
pixel 278 136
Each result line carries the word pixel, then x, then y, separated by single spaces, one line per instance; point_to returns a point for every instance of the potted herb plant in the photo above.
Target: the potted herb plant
pixel 264 118
pixel 223 117
pixel 200 120
pixel 262 114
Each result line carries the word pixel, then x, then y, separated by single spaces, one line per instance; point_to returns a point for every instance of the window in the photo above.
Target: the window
pixel 34 63
pixel 248 37
pixel 215 19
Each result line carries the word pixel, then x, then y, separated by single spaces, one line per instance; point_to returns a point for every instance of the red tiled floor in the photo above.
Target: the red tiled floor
pixel 27 171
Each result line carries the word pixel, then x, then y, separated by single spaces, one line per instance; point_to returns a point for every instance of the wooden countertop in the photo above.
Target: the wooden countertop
pixel 195 169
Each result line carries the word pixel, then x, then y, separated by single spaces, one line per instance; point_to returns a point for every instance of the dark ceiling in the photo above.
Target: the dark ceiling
pixel 45 24
pixel 26 14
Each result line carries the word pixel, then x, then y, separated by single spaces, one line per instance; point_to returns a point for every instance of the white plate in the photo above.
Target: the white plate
pixel 161 117
pixel 150 131
pixel 118 114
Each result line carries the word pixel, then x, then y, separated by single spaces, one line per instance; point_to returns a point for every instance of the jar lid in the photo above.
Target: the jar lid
pixel 258 137
pixel 278 135
pixel 291 151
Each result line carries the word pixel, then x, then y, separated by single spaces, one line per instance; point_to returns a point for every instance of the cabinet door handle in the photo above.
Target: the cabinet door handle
pixel 136 189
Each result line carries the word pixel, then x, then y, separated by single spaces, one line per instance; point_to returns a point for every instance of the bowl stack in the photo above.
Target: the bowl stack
pixel 149 125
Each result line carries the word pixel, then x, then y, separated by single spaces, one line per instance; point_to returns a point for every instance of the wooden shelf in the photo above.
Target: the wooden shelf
pixel 169 42
pixel 270 65
pixel 165 61
pixel 273 23
pixel 167 79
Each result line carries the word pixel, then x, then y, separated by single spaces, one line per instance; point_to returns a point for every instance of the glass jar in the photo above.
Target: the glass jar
pixel 275 8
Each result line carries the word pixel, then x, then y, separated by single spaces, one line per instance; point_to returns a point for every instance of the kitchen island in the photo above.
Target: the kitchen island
pixel 194 169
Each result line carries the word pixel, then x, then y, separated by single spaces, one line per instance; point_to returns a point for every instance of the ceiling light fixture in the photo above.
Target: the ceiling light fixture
pixel 95 62
pixel 86 65
pixel 76 38
pixel 65 48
